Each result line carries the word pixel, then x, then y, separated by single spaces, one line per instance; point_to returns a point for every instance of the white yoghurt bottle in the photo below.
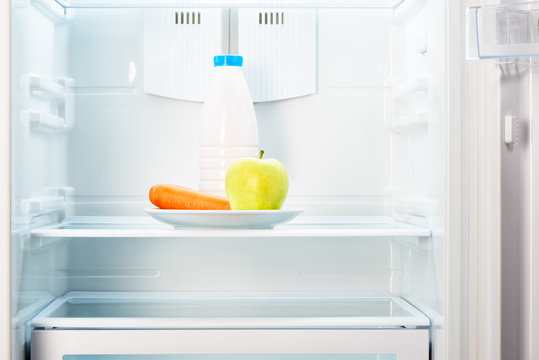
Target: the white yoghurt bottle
pixel 229 129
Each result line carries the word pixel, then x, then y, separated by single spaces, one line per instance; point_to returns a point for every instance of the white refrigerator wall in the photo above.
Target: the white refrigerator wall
pixel 5 161
pixel 38 164
pixel 39 159
pixel 368 142
pixel 418 144
pixel 334 143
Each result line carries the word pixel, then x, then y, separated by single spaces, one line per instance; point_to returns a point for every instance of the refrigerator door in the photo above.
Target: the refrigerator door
pixel 518 91
pixel 533 237
pixel 5 263
pixel 502 271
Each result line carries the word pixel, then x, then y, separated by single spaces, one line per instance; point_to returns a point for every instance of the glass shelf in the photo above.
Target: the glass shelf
pixel 303 226
pixel 503 31
pixel 389 4
pixel 101 310
pixel 274 323
pixel 235 357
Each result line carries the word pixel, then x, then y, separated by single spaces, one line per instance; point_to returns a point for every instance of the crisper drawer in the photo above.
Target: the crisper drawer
pixel 172 325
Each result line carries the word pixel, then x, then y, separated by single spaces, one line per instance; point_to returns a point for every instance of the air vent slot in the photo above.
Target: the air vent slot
pixel 271 18
pixel 187 18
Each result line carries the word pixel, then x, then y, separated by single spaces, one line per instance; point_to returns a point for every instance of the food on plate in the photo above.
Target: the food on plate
pixel 256 184
pixel 167 196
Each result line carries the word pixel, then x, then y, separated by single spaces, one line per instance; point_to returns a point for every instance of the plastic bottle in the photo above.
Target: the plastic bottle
pixel 229 129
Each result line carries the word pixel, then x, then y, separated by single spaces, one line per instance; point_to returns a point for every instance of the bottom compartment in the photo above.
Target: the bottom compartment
pixel 222 326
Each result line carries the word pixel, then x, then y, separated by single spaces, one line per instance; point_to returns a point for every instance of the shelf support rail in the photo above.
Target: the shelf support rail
pixel 58 92
pixel 406 105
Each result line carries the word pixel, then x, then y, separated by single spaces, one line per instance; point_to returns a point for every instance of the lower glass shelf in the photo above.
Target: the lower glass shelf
pixel 222 326
pixel 103 310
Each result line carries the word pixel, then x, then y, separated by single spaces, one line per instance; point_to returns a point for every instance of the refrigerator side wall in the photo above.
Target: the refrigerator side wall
pixel 37 168
pixel 5 252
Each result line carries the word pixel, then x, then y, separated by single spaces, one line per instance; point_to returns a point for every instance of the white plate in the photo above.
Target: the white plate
pixel 234 219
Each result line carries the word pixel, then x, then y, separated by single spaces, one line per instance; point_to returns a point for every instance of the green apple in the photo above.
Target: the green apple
pixel 256 184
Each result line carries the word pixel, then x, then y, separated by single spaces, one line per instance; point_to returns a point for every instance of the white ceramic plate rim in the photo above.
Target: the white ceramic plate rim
pixel 224 219
pixel 219 212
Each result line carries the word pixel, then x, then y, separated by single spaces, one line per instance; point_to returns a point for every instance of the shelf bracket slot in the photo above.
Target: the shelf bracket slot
pixel 419 84
pixel 43 122
pixel 59 94
pixel 40 86
pixel 417 122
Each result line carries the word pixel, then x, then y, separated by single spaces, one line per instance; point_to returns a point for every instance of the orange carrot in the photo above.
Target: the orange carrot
pixel 166 196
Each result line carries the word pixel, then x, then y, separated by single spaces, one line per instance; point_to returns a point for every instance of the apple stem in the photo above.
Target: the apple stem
pixel 261 154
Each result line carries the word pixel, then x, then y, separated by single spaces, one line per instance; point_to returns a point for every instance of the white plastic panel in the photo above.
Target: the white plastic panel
pixel 179 45
pixel 279 50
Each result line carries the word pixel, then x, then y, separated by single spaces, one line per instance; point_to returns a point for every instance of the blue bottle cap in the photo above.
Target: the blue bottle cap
pixel 228 60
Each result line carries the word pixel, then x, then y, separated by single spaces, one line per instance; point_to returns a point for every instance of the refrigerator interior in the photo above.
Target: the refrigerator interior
pixel 361 136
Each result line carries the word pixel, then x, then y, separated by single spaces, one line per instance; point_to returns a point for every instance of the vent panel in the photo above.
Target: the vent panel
pixel 179 45
pixel 279 50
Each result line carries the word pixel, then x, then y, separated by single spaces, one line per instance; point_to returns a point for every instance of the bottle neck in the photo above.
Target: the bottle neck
pixel 229 68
